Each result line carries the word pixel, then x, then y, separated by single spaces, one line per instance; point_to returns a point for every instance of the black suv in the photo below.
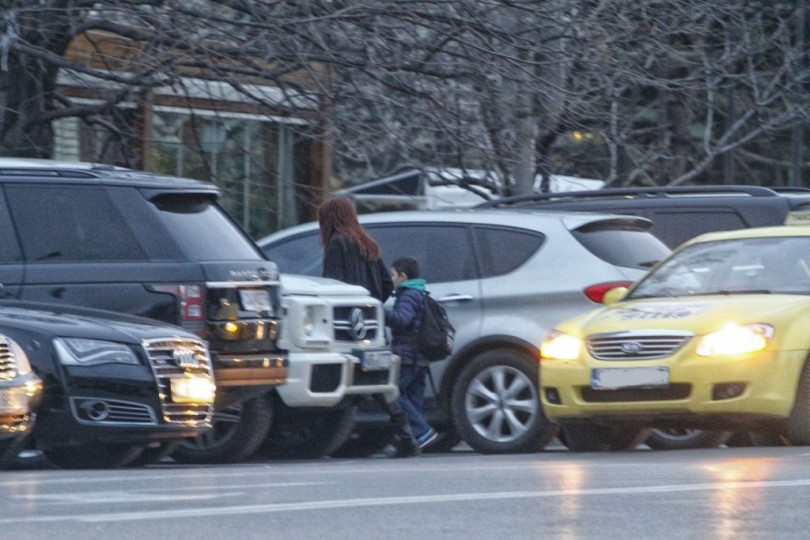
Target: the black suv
pixel 678 213
pixel 158 247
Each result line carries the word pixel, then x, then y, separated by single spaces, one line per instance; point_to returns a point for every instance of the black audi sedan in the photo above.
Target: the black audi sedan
pixel 112 384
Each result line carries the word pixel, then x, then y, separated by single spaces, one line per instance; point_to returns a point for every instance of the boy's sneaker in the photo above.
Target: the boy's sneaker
pixel 426 438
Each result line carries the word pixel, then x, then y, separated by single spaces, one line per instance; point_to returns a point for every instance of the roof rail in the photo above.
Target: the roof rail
pixel 65 173
pixel 636 192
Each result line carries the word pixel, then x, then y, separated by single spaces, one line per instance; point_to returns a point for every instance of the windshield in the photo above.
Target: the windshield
pixel 742 266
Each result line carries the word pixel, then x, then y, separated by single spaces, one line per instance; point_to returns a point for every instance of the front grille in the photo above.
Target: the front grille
pixel 14 423
pixel 669 393
pixel 355 323
pixel 8 365
pixel 636 345
pixel 111 411
pixel 171 358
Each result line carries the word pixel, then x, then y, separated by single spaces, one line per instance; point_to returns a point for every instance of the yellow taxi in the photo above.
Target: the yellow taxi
pixel 716 336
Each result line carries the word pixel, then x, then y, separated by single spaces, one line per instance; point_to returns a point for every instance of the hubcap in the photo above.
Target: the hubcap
pixel 501 403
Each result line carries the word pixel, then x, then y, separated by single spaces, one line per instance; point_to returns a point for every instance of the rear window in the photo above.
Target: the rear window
pixel 202 229
pixel 622 246
pixel 298 255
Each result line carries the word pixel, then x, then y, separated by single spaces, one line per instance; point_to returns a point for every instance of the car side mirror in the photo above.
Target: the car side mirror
pixel 614 295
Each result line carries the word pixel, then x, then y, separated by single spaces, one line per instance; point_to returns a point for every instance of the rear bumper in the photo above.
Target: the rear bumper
pixel 270 369
pixel 325 379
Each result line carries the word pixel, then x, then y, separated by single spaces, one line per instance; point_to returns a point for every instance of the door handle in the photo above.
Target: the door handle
pixel 455 298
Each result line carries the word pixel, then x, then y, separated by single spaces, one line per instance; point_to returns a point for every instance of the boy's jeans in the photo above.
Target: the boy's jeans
pixel 412 382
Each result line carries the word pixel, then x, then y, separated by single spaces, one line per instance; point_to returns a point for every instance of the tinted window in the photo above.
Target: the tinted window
pixel 675 228
pixel 622 246
pixel 202 229
pixel 298 255
pixel 9 250
pixel 503 250
pixel 443 251
pixel 75 224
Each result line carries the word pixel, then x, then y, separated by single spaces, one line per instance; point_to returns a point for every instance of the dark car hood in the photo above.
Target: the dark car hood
pixel 69 321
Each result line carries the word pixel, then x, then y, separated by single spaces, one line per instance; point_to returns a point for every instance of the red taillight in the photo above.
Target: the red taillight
pixel 192 300
pixel 596 293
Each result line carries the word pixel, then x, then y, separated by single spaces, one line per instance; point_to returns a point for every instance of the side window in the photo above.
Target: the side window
pixel 9 249
pixel 75 224
pixel 502 250
pixel 675 228
pixel 443 251
pixel 297 255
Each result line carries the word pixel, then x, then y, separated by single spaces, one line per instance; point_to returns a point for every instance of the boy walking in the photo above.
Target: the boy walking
pixel 404 319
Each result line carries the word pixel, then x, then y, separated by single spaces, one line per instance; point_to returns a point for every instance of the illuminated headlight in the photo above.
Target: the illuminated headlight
pixel 17 352
pixel 92 352
pixel 734 339
pixel 191 389
pixel 559 346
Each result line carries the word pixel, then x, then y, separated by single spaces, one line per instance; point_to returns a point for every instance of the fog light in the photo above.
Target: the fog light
pixel 553 396
pixel 727 390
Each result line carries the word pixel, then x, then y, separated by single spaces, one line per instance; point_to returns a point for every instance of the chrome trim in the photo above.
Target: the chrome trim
pixel 637 344
pixel 164 364
pixel 8 364
pixel 119 409
pixel 237 284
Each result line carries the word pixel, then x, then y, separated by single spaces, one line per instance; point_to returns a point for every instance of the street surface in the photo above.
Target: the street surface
pixel 719 493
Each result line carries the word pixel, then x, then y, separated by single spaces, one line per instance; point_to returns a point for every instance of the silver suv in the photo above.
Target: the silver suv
pixel 505 278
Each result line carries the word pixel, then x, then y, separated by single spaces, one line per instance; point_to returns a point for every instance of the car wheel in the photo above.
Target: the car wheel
pixel 237 432
pixel 93 456
pixel 364 443
pixel 9 448
pixel 307 434
pixel 682 439
pixel 154 454
pixel 495 407
pixel 445 442
pixel 798 424
pixel 588 437
pixel 739 439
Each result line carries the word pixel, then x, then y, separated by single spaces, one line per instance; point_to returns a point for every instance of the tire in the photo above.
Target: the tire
pixel 9 448
pixel 93 456
pixel 769 438
pixel 798 424
pixel 364 443
pixel 151 455
pixel 495 406
pixel 307 434
pixel 589 437
pixel 445 442
pixel 237 432
pixel 683 439
pixel 740 439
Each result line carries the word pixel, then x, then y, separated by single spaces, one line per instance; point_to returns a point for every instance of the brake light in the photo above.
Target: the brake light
pixel 192 300
pixel 596 293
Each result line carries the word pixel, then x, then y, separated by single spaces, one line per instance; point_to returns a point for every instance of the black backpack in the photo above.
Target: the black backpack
pixel 434 339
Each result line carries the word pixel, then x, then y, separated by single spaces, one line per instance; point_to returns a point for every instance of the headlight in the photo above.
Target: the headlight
pixel 17 352
pixel 734 339
pixel 559 346
pixel 91 352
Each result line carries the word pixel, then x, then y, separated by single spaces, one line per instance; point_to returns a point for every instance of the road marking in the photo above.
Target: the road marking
pixel 394 501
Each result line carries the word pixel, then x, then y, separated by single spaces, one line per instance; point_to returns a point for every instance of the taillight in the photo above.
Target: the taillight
pixel 192 300
pixel 596 293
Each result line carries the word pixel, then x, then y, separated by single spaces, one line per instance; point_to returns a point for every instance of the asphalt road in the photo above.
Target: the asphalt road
pixel 720 493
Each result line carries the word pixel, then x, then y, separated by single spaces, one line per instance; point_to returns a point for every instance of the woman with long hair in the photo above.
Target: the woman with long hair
pixel 352 256
pixel 349 253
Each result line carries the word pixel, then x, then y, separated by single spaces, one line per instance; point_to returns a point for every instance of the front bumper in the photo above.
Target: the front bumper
pixel 115 404
pixel 767 383
pixel 325 379
pixel 19 400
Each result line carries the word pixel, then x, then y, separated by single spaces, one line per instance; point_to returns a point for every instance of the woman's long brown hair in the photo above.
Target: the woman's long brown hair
pixel 338 216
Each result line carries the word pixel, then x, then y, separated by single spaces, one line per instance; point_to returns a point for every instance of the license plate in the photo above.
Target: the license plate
pixel 611 378
pixel 374 360
pixel 255 300
pixel 13 400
